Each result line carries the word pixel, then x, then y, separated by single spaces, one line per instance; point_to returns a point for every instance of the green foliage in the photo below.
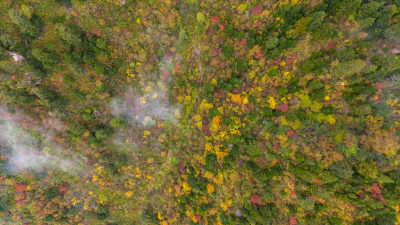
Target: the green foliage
pixel 281 113
pixel 103 212
pixel 68 34
pixel 341 170
pixel 271 42
pixel 228 52
pixel 349 67
pixel 25 25
pixel 51 193
pixel 4 201
pixel 368 170
pixel 211 160
pixel 242 66
pixel 317 20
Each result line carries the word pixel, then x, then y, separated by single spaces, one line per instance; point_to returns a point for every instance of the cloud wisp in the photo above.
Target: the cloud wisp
pixel 30 150
pixel 144 110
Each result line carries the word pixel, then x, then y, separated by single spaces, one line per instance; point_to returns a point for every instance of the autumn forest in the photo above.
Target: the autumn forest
pixel 200 112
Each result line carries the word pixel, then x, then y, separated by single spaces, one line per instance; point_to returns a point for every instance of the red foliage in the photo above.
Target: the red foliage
pixel 283 107
pixel 198 217
pixel 206 128
pixel 381 85
pixel 167 56
pixel 257 24
pixel 255 199
pixel 330 46
pixel 177 188
pixel 293 194
pixel 95 31
pixel 165 72
pixel 293 221
pixel 181 167
pixel 88 35
pixel 178 69
pixel 214 19
pixel 242 42
pixel 317 181
pixel 19 202
pixel 256 10
pixel 20 188
pixel 251 179
pixel 378 99
pixel 62 188
pixel 291 134
pixel 214 52
pixel 376 192
pixel 14 76
pixel 259 55
pixel 19 197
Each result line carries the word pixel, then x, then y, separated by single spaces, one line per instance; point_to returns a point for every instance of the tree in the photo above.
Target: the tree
pixel 349 67
pixel 317 20
pixel 341 169
pixel 367 169
pixel 26 27
pixel 393 32
pixel 271 42
pixel 68 34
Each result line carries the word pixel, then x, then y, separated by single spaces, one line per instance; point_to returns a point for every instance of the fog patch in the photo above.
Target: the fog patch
pixel 33 149
pixel 145 109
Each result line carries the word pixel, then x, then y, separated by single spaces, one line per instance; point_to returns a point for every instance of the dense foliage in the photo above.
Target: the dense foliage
pixel 200 112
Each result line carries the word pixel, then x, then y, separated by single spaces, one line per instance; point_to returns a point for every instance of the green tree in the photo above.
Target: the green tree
pixel 341 169
pixel 393 32
pixel 367 169
pixel 24 24
pixel 349 67
pixel 68 34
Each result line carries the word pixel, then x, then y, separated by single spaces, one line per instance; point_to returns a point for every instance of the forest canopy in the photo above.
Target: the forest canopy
pixel 200 112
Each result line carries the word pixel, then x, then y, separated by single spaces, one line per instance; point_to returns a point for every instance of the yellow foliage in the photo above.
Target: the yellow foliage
pixel 272 102
pixel 146 133
pixel 208 146
pixel 159 216
pixel 129 194
pixel 95 178
pixel 210 188
pixel 215 123
pixel 205 106
pixel 245 100
pixel 242 7
pixel 86 133
pixel 236 98
pixel 315 106
pixel 224 206
pixel 330 119
pixel 186 187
